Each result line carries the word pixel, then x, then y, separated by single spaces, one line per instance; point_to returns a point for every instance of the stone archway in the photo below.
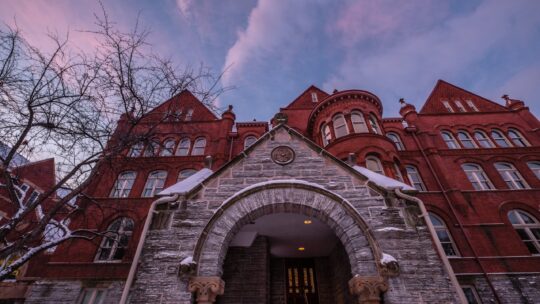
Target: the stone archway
pixel 287 196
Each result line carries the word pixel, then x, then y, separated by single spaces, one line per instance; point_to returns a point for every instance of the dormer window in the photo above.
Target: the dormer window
pixel 314 97
pixel 448 106
pixel 189 115
pixel 460 106
pixel 471 105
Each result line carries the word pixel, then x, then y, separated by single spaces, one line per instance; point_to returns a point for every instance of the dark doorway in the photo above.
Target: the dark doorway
pixel 301 281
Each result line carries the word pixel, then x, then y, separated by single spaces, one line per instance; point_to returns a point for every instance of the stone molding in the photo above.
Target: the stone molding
pixel 368 290
pixel 206 288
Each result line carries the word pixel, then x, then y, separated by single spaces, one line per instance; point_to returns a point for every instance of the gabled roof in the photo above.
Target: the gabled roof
pixel 185 100
pixel 304 100
pixel 40 173
pixel 449 92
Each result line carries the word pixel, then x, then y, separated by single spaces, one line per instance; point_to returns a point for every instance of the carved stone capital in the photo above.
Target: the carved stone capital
pixel 206 288
pixel 368 290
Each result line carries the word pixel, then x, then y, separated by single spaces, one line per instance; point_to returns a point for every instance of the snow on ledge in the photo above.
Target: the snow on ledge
pixel 188 184
pixel 389 229
pixel 381 180
pixel 187 261
pixel 386 258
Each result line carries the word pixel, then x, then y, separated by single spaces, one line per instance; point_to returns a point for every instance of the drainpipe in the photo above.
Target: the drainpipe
pixel 454 213
pixel 135 262
pixel 438 245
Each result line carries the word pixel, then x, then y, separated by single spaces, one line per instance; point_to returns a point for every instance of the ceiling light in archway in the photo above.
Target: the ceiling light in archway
pixel 307 222
pixel 301 248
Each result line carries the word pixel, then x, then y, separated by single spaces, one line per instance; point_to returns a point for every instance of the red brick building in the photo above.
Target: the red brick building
pixel 475 164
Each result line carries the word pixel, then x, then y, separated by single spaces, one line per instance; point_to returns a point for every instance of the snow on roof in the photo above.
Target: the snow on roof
pixel 381 180
pixel 188 184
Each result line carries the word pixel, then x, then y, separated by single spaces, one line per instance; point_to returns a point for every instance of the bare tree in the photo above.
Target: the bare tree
pixel 66 103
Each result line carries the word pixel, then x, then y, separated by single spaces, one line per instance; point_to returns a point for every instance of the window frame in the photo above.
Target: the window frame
pixel 192 171
pixel 447 106
pixel 472 105
pixel 314 97
pixel 478 177
pixel 396 140
pixel 460 106
pixel 474 293
pixel 181 147
pixel 511 176
pixel 535 171
pixel 157 180
pixel 417 184
pixel 454 144
pixel 170 150
pixel 444 228
pixel 117 192
pixel 377 161
pixel 249 137
pixel 467 142
pixel 342 126
pixel 326 134
pixel 500 137
pixel 518 139
pixel 116 236
pixel 526 227
pixel 189 114
pixel 152 148
pixel 374 124
pixel 94 291
pixel 198 149
pixel 136 150
pixel 359 125
pixel 397 173
pixel 485 139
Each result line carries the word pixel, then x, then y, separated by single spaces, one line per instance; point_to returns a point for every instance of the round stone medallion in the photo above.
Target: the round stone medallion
pixel 282 155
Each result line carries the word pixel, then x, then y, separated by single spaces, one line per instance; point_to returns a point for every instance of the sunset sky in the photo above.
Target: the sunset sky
pixel 272 50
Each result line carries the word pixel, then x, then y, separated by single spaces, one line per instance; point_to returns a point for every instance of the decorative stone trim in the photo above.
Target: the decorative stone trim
pixel 207 288
pixel 368 290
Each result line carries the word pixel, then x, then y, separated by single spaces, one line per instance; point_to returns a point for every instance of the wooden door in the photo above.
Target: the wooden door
pixel 301 281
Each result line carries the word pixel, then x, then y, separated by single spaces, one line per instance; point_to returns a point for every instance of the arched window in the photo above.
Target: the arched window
pixel 396 140
pixel 154 183
pixel 374 164
pixel 466 141
pixel 358 122
pixel 449 140
pixel 249 140
pixel 340 126
pixel 183 147
pixel 168 148
pixel 152 148
pixel 374 124
pixel 199 146
pixel 483 139
pixel 415 178
pixel 326 134
pixel 511 176
pixel 477 177
pixel 185 174
pixel 528 229
pixel 397 173
pixel 189 115
pixel 136 150
pixel 115 242
pixel 123 184
pixel 517 138
pixel 535 168
pixel 444 236
pixel 499 138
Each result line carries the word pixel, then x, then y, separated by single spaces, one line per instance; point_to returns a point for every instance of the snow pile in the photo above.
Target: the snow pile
pixel 381 180
pixel 187 261
pixel 188 184
pixel 167 254
pixel 389 229
pixel 386 258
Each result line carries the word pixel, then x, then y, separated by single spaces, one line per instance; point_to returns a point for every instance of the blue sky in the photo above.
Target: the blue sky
pixel 272 50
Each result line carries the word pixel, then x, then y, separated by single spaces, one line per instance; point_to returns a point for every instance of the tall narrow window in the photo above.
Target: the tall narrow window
pixel 374 164
pixel 448 106
pixel 136 150
pixel 511 176
pixel 154 183
pixel 326 134
pixel 415 179
pixel 178 115
pixel 152 148
pixel 115 242
pixel 517 138
pixel 470 295
pixel 471 105
pixel 449 140
pixel 185 174
pixel 340 126
pixel 199 146
pixel 483 139
pixel 250 140
pixel 183 147
pixel 374 124
pixel 92 296
pixel 358 122
pixel 314 97
pixel 535 168
pixel 466 141
pixel 397 173
pixel 460 106
pixel 477 177
pixel 500 139
pixel 168 148
pixel 528 229
pixel 443 235
pixel 123 184
pixel 396 140
pixel 189 115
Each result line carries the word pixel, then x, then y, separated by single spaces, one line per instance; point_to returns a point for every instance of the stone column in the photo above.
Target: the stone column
pixel 367 290
pixel 206 288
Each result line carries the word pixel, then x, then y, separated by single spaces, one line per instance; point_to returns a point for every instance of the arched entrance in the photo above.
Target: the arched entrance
pixel 291 197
